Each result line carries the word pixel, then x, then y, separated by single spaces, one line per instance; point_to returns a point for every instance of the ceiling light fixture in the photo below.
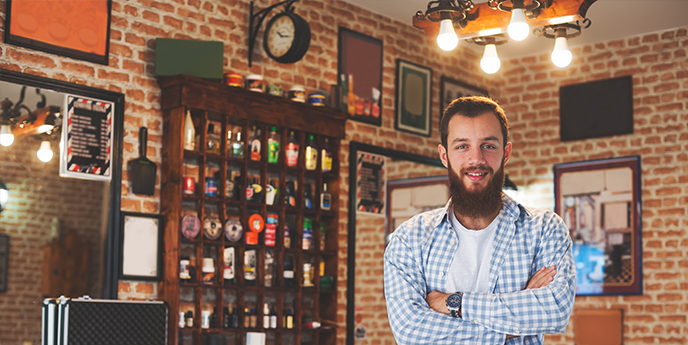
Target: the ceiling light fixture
pixel 45 153
pixel 518 26
pixel 450 14
pixel 6 136
pixel 561 33
pixel 490 62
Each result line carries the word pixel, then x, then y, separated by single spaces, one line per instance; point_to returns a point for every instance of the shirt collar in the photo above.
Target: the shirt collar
pixel 511 209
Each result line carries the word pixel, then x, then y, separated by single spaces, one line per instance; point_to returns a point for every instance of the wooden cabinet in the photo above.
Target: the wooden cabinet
pixel 210 180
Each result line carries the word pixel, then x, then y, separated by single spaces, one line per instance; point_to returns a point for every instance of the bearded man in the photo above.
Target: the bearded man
pixel 484 269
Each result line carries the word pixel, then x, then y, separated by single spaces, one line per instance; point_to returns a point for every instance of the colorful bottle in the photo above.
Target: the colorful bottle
pixel 292 152
pixel 325 198
pixel 326 156
pixel 351 97
pixel 238 145
pixel 290 194
pixel 307 196
pixel 289 272
pixel 307 234
pixel 189 132
pixel 311 154
pixel 273 146
pixel 212 140
pixel 255 146
pixel 322 237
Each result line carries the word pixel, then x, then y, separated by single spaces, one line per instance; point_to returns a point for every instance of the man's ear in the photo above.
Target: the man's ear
pixel 443 155
pixel 507 152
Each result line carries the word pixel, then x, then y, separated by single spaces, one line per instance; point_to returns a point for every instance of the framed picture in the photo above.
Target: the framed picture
pixel 360 76
pixel 141 246
pixel 88 135
pixel 371 180
pixel 409 197
pixel 451 89
pixel 4 260
pixel 73 28
pixel 413 98
pixel 600 204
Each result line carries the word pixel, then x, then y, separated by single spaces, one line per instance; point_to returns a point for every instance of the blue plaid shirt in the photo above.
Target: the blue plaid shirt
pixel 420 252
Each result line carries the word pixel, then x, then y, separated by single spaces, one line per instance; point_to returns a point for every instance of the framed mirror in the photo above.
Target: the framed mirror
pixel 411 175
pixel 64 232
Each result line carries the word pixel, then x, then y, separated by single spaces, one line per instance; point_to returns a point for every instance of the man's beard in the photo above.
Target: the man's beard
pixel 479 203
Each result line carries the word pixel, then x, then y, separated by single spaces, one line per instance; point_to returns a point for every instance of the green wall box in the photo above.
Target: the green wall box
pixel 201 59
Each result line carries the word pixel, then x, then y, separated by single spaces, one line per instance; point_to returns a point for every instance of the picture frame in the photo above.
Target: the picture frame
pixel 73 28
pixel 451 89
pixel 141 256
pixel 413 98
pixel 360 60
pixel 600 202
pixel 371 183
pixel 409 197
pixel 4 261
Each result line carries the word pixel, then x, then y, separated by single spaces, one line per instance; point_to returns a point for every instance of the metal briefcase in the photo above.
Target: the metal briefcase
pixel 85 321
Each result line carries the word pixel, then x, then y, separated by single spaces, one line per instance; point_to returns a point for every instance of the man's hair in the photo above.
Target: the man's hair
pixel 473 106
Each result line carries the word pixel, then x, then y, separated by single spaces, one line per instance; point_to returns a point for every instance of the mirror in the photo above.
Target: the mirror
pixel 63 232
pixel 416 183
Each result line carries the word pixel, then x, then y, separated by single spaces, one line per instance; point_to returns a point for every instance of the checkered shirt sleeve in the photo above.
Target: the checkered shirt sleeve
pixel 420 253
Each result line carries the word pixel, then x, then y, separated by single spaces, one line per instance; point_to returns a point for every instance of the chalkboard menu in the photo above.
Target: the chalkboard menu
pixel 87 138
pixel 371 183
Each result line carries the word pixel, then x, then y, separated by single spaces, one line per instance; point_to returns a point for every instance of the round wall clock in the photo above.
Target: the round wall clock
pixel 287 37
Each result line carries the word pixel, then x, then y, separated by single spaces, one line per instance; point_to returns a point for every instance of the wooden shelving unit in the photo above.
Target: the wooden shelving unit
pixel 231 108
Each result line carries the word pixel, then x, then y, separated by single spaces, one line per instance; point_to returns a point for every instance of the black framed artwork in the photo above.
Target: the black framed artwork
pixel 413 98
pixel 360 66
pixel 600 204
pixel 451 89
pixel 4 260
pixel 141 246
pixel 72 28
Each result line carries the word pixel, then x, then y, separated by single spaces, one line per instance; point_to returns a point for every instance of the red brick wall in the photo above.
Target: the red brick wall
pixel 527 87
pixel 39 201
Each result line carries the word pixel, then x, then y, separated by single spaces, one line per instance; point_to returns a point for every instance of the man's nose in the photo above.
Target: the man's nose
pixel 476 156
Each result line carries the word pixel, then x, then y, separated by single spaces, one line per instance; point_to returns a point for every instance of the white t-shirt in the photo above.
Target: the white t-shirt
pixel 470 268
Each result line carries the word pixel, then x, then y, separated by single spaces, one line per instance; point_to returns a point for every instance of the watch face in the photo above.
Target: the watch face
pixel 233 229
pixel 280 36
pixel 212 228
pixel 191 226
pixel 454 301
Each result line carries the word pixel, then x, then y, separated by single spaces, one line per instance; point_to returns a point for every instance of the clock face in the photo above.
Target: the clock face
pixel 281 36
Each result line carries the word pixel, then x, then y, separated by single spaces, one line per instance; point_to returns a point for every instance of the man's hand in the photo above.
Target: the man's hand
pixel 438 301
pixel 542 277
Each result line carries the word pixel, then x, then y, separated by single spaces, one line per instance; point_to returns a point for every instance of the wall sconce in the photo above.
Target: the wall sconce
pixel 561 33
pixel 4 195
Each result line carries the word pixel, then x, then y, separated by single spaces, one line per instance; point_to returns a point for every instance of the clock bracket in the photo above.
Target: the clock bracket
pixel 257 19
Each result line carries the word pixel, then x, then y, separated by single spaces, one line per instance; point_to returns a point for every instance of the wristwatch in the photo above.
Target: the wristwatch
pixel 454 303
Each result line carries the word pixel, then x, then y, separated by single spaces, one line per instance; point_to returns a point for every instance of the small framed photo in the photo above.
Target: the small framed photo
pixel 599 202
pixel 141 246
pixel 451 89
pixel 73 28
pixel 413 98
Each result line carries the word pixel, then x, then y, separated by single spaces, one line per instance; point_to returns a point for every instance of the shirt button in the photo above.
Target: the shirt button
pixel 452 242
pixel 441 274
pixel 476 322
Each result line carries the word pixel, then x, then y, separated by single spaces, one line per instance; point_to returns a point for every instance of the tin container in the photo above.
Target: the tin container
pixel 275 90
pixel 297 94
pixel 189 185
pixel 234 79
pixel 211 187
pixel 317 99
pixel 254 82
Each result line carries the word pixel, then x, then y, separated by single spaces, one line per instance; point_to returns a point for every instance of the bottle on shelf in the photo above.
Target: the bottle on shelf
pixel 273 146
pixel 289 272
pixel 212 140
pixel 290 194
pixel 250 267
pixel 269 268
pixel 189 319
pixel 266 316
pixel 345 93
pixel 238 144
pixel 271 193
pixel 184 271
pixel 253 323
pixel 228 272
pixel 255 145
pixel 307 196
pixel 325 198
pixel 292 152
pixel 307 276
pixel 326 156
pixel 351 97
pixel 311 154
pixel 189 132
pixel 287 236
pixel 307 234
pixel 226 318
pixel 247 318
pixel 322 235
pixel 208 271
pixel 213 318
pixel 235 318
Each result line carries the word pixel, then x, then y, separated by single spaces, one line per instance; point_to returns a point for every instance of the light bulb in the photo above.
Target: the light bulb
pixel 45 128
pixel 518 28
pixel 447 39
pixel 45 154
pixel 6 136
pixel 561 55
pixel 490 62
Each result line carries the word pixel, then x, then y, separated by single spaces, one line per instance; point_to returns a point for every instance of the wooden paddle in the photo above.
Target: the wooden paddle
pixel 142 171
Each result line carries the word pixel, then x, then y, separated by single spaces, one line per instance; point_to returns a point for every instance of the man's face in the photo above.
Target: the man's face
pixel 475 155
